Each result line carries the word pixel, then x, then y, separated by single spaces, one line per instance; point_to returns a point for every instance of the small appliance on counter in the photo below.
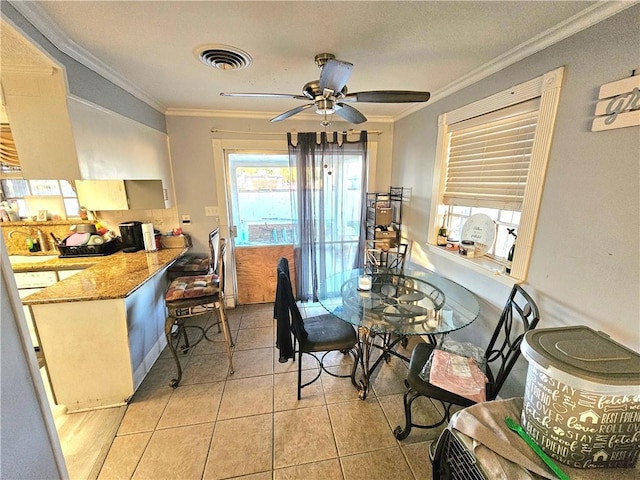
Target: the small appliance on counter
pixel 149 237
pixel 132 237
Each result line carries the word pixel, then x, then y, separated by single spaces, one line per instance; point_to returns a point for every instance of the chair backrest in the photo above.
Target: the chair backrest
pixel 220 270
pixel 214 245
pixel 285 299
pixel 397 260
pixel 388 258
pixel 520 314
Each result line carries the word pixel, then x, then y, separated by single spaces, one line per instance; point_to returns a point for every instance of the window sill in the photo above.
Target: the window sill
pixel 482 265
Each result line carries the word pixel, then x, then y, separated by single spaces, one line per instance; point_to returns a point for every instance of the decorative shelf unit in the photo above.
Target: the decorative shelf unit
pixel 384 219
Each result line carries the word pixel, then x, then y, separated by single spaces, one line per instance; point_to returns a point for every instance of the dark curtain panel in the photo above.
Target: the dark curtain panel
pixel 330 208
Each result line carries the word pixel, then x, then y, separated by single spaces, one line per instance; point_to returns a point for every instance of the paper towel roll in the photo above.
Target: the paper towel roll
pixel 149 237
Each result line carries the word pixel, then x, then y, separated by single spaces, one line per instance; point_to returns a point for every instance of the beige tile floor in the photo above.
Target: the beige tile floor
pixel 251 425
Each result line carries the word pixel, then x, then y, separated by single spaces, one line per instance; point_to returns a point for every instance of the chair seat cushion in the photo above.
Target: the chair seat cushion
pixel 326 332
pixel 419 357
pixel 190 265
pixel 190 287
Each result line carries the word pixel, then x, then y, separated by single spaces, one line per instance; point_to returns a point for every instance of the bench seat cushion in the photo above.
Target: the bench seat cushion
pixel 190 265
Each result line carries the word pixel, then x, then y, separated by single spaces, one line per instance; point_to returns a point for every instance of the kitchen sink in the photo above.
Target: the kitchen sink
pixel 16 259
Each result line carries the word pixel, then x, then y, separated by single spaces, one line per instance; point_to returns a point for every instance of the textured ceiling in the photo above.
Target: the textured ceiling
pixel 402 45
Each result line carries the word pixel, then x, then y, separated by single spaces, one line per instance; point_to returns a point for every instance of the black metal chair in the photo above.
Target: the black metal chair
pixel 519 315
pixel 379 256
pixel 322 333
pixel 189 296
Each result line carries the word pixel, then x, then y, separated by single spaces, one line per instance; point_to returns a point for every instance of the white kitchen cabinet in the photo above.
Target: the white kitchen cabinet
pixel 29 283
pixel 36 105
pixel 121 194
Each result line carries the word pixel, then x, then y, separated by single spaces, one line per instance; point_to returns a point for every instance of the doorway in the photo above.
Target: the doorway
pixel 260 187
pixel 257 196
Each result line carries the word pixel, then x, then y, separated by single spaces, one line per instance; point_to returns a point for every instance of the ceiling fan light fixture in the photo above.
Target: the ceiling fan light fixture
pixel 223 57
pixel 325 106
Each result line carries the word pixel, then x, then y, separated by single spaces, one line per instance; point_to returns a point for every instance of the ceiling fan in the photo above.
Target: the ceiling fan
pixel 329 94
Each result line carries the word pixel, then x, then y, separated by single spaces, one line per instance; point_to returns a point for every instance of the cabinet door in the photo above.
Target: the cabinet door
pixel 120 194
pixel 102 194
pixel 145 194
pixel 38 279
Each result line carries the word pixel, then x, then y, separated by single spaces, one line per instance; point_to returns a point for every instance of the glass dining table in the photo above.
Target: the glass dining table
pixel 388 306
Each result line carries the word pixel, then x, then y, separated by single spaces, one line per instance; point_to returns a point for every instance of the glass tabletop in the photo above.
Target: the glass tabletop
pixel 410 303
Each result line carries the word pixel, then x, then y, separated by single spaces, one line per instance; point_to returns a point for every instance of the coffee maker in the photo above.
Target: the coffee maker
pixel 132 239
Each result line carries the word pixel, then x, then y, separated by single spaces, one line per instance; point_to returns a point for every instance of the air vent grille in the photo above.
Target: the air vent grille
pixel 224 57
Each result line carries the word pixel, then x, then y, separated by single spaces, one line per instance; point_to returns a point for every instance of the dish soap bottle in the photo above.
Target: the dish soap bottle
pixel 44 247
pixel 443 233
pixel 512 249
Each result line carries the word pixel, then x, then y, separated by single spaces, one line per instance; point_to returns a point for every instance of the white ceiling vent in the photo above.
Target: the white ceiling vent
pixel 223 57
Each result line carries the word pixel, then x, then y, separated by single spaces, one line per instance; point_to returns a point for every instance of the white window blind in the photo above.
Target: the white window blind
pixel 8 151
pixel 489 157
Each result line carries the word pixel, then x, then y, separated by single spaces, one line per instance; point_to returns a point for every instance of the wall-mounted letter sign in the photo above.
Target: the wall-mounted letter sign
pixel 618 105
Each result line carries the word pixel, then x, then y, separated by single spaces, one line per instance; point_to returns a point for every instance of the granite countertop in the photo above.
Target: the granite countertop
pixel 56 263
pixel 109 277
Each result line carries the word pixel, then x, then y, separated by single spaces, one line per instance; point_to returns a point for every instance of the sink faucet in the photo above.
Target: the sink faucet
pixel 32 245
pixel 13 232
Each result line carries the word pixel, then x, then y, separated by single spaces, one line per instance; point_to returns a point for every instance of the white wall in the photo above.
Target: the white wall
pixel 585 262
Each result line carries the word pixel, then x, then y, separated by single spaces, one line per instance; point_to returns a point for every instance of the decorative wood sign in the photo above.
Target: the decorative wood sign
pixel 618 105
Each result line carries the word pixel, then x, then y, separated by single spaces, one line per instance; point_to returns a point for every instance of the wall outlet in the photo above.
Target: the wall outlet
pixel 211 211
pixel 186 218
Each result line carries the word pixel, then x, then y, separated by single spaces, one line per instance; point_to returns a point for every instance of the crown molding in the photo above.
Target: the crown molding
pixel 203 112
pixel 200 112
pixel 580 21
pixel 43 22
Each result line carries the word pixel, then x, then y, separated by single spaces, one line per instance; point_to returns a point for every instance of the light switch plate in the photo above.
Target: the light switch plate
pixel 211 211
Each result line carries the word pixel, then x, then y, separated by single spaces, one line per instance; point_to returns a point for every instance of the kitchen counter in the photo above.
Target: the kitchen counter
pixel 101 329
pixel 109 277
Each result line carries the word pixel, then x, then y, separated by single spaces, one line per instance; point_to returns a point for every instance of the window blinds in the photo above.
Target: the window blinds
pixel 489 156
pixel 8 152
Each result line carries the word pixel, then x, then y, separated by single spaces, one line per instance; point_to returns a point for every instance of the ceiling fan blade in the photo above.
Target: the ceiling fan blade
pixel 387 96
pixel 263 95
pixel 292 112
pixel 335 74
pixel 349 113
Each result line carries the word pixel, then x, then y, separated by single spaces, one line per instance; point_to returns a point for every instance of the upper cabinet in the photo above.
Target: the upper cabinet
pixel 37 109
pixel 121 194
pixel 111 146
pixel 35 98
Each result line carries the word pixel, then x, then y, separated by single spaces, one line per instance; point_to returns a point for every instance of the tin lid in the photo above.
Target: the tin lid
pixel 583 353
